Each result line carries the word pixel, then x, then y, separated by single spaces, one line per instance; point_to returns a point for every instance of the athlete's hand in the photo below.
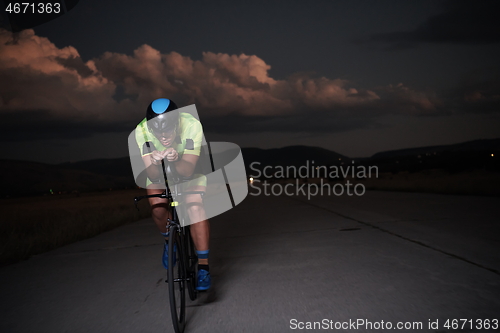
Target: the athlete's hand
pixel 170 154
pixel 156 157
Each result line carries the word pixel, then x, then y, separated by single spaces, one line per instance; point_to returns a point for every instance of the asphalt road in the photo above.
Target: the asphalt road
pixel 278 263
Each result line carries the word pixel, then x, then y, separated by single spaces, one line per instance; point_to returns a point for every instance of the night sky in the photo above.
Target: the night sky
pixel 355 77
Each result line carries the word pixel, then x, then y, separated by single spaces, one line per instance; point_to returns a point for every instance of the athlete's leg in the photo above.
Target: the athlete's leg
pixel 200 229
pixel 160 211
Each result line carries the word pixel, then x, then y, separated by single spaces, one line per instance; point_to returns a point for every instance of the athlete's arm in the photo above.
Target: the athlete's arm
pixel 185 166
pixel 193 136
pixel 153 170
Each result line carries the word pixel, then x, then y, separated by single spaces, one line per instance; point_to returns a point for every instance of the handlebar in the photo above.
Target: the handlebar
pixel 163 196
pixel 175 177
pixel 170 169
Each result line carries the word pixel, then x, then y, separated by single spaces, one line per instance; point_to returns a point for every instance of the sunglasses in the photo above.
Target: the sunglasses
pixel 164 134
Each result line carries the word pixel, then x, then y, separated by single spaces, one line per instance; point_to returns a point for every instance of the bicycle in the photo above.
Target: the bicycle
pixel 180 244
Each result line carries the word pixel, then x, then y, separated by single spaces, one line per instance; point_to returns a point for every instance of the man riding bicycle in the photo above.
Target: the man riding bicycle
pixel 175 137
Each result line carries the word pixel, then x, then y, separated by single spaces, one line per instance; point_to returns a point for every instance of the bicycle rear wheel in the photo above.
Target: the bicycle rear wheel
pixel 176 280
pixel 192 261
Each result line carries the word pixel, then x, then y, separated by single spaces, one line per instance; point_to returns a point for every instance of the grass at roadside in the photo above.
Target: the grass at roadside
pixel 34 225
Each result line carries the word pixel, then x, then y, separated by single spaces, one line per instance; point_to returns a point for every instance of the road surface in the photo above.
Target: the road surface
pixel 280 264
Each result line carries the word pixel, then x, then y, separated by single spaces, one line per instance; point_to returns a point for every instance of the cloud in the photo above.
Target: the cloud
pixel 35 74
pixel 462 22
pixel 223 85
pixel 479 91
pixel 45 88
pixel 48 91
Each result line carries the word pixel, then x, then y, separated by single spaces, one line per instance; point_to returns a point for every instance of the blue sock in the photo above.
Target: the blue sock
pixel 203 255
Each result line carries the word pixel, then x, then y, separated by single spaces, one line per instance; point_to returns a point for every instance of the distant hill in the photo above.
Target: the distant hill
pixel 23 178
pixel 110 167
pixel 469 146
pixel 465 156
pixel 292 156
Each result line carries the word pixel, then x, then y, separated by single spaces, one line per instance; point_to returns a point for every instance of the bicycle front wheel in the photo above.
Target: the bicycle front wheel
pixel 176 280
pixel 192 260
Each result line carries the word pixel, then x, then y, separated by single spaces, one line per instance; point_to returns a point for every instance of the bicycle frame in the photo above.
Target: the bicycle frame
pixel 179 235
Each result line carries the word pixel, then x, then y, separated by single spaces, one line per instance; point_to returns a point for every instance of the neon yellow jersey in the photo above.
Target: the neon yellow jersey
pixel 188 140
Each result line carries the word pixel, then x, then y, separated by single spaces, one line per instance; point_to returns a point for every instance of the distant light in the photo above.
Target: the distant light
pixel 251 179
pixel 340 159
pixel 492 155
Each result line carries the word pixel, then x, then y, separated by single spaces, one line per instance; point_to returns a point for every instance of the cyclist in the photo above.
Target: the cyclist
pixel 175 137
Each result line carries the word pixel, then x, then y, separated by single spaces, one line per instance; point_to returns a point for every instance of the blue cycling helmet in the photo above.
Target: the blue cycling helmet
pixel 160 120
